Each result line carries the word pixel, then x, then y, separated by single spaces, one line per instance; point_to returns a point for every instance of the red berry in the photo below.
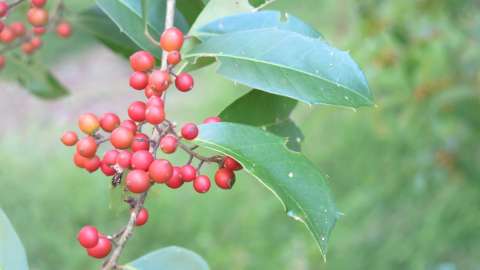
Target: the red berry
pixel 189 173
pixel 39 30
pixel 138 181
pixel 88 123
pixel 129 124
pixel 109 121
pixel 138 80
pixel 3 8
pixel 189 131
pixel 141 160
pixel 28 48
pixel 87 147
pixel 213 119
pixel 37 16
pixel 18 29
pixel 92 164
pixel 140 142
pixel 88 236
pixel 224 178
pixel 171 39
pixel 107 170
pixel 176 180
pixel 64 30
pixel 39 3
pixel 36 42
pixel 7 35
pixel 168 144
pixel 231 164
pixel 201 184
pixel 124 159
pixel 155 115
pixel 122 138
pixel 174 58
pixel 184 82
pixel 155 101
pixel 160 170
pixel 142 61
pixel 110 157
pixel 149 92
pixel 159 80
pixel 102 249
pixel 79 160
pixel 69 138
pixel 136 111
pixel 142 217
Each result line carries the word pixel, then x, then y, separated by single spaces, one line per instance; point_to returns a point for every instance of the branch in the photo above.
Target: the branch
pixel 112 261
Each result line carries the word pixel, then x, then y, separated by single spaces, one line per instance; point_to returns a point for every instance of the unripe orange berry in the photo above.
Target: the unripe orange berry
pixel 88 123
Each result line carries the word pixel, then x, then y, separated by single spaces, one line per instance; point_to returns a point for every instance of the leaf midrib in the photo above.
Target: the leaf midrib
pixel 253 60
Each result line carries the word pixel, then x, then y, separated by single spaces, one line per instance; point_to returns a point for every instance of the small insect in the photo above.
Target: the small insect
pixel 117 179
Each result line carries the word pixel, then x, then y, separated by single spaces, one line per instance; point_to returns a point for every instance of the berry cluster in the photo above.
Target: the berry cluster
pixel 134 153
pixel 16 34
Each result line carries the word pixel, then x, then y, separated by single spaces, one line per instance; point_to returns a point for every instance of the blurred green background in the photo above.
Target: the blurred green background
pixel 405 173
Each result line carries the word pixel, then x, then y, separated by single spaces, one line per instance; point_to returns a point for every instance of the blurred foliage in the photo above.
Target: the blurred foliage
pixel 405 173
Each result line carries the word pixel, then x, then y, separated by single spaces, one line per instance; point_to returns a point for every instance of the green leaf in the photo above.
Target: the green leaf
pixel 170 258
pixel 289 175
pixel 220 8
pixel 36 78
pixel 288 64
pixel 191 9
pixel 256 20
pixel 95 22
pixel 272 112
pixel 12 252
pixel 127 15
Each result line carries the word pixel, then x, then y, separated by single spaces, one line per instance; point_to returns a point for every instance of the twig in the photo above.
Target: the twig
pixel 112 262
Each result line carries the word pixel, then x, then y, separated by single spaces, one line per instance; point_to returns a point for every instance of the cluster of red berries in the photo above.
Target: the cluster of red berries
pixel 135 153
pixel 29 39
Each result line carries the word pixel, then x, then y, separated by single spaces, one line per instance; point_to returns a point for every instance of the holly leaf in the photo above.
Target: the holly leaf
pixel 170 258
pixel 272 113
pixel 35 78
pixel 191 9
pixel 127 15
pixel 220 8
pixel 256 20
pixel 288 175
pixel 96 22
pixel 12 252
pixel 288 64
